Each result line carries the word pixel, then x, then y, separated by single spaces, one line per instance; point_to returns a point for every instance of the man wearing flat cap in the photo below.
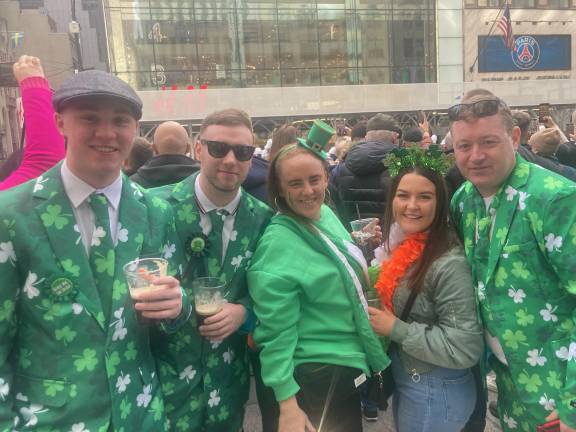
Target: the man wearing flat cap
pixel 73 355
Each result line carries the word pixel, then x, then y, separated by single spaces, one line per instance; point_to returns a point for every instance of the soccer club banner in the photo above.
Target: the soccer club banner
pixel 529 53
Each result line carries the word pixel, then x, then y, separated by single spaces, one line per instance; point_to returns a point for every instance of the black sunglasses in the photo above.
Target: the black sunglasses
pixel 482 108
pixel 218 150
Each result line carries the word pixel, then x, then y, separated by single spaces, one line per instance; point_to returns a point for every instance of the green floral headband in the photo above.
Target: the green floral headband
pixel 432 158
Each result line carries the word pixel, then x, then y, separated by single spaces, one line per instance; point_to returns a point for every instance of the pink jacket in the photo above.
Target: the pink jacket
pixel 44 144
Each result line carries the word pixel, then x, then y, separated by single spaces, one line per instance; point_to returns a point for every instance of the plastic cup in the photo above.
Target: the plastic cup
pixel 140 274
pixel 209 297
pixel 363 230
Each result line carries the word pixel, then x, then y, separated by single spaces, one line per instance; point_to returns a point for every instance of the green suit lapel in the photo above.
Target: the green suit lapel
pixel 55 211
pixel 509 200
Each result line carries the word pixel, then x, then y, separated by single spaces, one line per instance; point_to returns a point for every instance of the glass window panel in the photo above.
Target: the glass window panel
pixel 334 36
pixel 262 78
pixel 296 4
pixel 339 76
pixel 450 23
pixel 374 39
pixel 298 39
pixel 451 50
pixel 374 4
pixel 300 77
pixel 414 4
pixel 374 75
pixel 259 34
pixel 452 4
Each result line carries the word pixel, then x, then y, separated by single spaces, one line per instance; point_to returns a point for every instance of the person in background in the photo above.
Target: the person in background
pixel 140 154
pixel 342 147
pixel 282 136
pixel 170 163
pixel 316 346
pixel 517 224
pixel 433 349
pixel 358 132
pixel 44 146
pixel 413 137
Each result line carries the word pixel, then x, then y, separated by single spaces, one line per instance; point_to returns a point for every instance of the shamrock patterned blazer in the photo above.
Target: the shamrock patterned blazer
pixel 65 362
pixel 522 251
pixel 206 383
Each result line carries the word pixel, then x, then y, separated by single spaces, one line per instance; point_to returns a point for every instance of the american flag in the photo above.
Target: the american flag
pixel 505 24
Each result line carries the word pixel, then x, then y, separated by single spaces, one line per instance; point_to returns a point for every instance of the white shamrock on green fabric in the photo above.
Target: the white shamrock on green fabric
pixel 79 427
pixel 567 353
pixel 228 356
pixel 214 398
pixel 553 243
pixel 97 234
pixel 188 373
pixel 7 253
pixel 510 422
pixel 144 398
pixel 518 295
pixel 122 233
pixel 4 389
pixel 168 250
pixel 535 357
pixel 77 229
pixel 38 186
pixel 30 288
pixel 122 382
pixel 522 200
pixel 119 330
pixel 549 404
pixel 548 313
pixel 29 414
pixel 510 193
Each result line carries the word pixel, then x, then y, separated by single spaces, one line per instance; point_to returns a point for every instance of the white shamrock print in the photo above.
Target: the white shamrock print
pixel 553 243
pixel 120 331
pixel 144 398
pixel 535 358
pixel 77 308
pixel 97 234
pixel 122 233
pixel 168 250
pixel 228 356
pixel 215 344
pixel 233 235
pixel 4 389
pixel 79 427
pixel 30 285
pixel 7 253
pixel 122 382
pixel 517 295
pixel 548 404
pixel 248 254
pixel 481 291
pixel 214 398
pixel 137 192
pixel 29 414
pixel 548 313
pixel 522 200
pixel 510 193
pixel 510 422
pixel 38 186
pixel 188 373
pixel 567 354
pixel 21 397
pixel 461 207
pixel 236 261
pixel 77 229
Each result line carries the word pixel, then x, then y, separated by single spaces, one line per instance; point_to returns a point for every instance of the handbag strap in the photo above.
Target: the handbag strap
pixel 409 304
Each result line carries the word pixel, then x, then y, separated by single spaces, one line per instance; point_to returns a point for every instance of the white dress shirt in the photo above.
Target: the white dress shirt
pixel 228 232
pixel 78 191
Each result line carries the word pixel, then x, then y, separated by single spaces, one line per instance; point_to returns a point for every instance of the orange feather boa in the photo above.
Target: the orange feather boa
pixel 393 270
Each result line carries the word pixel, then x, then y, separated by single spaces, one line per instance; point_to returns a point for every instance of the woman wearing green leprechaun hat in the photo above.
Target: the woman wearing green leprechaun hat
pixel 307 280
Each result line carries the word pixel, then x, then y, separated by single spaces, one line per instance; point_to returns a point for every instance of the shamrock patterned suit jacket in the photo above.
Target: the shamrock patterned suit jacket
pixel 63 366
pixel 525 278
pixel 206 383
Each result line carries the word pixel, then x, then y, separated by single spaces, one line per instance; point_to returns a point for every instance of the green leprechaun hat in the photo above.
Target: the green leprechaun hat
pixel 317 138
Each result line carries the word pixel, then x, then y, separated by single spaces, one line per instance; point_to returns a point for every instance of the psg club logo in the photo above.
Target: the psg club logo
pixel 526 52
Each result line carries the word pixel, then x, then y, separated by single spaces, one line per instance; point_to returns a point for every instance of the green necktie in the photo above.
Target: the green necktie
pixel 217 218
pixel 102 254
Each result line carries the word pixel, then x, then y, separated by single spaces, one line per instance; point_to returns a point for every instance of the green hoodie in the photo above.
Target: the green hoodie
pixel 306 303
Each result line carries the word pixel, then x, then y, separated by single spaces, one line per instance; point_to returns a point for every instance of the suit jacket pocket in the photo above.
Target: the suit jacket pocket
pixel 41 391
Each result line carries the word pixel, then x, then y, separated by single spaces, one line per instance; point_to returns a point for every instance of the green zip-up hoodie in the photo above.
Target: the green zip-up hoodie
pixel 306 303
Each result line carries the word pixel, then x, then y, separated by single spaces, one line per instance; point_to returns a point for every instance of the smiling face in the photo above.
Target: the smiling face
pixel 485 151
pixel 221 177
pixel 303 182
pixel 414 203
pixel 99 135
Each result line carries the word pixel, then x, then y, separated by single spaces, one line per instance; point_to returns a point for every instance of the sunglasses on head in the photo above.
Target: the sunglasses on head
pixel 218 150
pixel 481 108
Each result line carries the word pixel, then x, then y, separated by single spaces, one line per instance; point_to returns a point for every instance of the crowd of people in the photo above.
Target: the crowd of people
pixel 467 268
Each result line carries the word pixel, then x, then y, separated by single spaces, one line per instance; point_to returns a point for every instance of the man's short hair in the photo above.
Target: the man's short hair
pixel 140 153
pixel 358 131
pixel 227 117
pixel 546 141
pixel 503 110
pixel 383 122
pixel 413 135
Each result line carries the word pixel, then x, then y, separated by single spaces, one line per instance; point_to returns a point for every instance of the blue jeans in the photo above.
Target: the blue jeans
pixel 440 400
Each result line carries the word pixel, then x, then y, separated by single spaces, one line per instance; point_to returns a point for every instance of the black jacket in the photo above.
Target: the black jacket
pixel 566 154
pixel 164 170
pixel 359 185
pixel 551 164
pixel 256 182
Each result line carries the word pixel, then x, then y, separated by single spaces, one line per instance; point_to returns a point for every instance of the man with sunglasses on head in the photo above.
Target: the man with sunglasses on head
pixel 203 368
pixel 518 224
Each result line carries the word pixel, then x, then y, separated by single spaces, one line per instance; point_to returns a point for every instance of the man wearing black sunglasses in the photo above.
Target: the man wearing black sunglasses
pixel 518 224
pixel 203 367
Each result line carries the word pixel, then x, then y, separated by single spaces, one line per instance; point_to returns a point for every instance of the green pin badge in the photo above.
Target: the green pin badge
pixel 62 289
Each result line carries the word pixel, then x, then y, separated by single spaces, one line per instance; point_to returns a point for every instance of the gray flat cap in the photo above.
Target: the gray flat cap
pixel 383 122
pixel 97 83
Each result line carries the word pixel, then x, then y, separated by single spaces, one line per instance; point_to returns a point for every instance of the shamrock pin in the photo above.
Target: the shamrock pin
pixel 197 245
